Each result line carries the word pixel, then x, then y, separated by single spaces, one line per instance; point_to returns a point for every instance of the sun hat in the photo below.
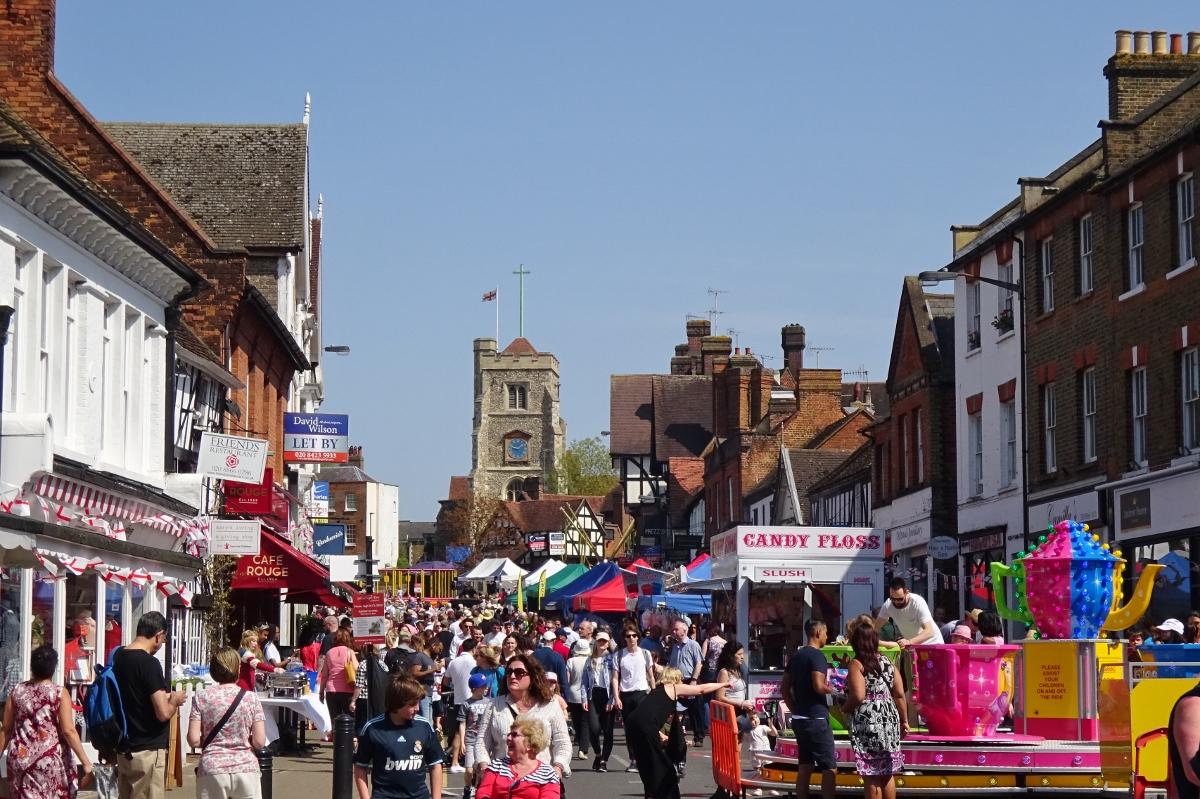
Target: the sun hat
pixel 581 648
pixel 962 630
pixel 1173 625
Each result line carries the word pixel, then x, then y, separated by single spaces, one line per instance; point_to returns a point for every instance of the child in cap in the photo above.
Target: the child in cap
pixel 552 681
pixel 470 720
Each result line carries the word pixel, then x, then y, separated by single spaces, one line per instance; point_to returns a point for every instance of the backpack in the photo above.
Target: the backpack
pixel 104 712
pixel 400 661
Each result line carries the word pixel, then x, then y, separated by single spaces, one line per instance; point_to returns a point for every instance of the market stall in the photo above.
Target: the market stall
pixel 432 580
pixel 560 598
pixel 610 596
pixel 795 574
pixel 564 576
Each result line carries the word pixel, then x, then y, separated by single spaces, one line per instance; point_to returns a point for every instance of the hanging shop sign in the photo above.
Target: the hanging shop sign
pixel 329 539
pixel 234 537
pixel 318 509
pixel 558 543
pixel 536 543
pixel 232 457
pixel 316 438
pixel 943 547
pixel 250 498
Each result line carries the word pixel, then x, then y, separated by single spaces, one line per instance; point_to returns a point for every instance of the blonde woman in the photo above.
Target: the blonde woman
pixel 228 768
pixel 251 658
pixel 520 774
pixel 647 741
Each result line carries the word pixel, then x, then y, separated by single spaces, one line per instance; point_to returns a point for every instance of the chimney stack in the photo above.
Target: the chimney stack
pixel 356 456
pixel 792 337
pixel 26 41
pixel 1156 64
pixel 713 348
pixel 696 330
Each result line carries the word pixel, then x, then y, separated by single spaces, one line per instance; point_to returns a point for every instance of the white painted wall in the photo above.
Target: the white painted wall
pixel 997 361
pixel 383 501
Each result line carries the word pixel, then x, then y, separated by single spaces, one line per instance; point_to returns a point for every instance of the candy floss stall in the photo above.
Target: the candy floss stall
pixel 782 576
pixel 1063 711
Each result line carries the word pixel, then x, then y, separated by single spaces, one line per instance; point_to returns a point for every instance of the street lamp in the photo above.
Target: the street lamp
pixel 1017 288
pixel 338 349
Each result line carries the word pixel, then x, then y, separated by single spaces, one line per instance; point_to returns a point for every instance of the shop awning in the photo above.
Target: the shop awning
pixel 17 549
pixel 713 584
pixel 680 603
pixel 327 598
pixel 279 565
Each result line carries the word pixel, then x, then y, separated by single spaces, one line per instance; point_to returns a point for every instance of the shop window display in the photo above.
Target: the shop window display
pixel 42 624
pixel 114 596
pixel 10 630
pixel 1175 589
pixel 777 616
pixel 79 654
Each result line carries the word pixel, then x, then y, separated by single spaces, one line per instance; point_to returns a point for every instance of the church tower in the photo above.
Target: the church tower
pixel 517 434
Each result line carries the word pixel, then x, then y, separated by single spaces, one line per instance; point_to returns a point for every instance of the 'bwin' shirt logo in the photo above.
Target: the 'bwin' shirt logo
pixel 414 763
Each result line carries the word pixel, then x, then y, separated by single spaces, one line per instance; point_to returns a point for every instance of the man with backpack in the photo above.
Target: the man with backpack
pixel 148 704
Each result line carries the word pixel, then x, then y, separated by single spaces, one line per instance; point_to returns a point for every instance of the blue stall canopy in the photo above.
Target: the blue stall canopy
pixel 680 603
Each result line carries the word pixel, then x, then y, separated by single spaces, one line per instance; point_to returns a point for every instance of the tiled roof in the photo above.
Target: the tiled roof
pixel 344 473
pixel 809 466
pixel 548 514
pixel 631 414
pixel 683 422
pixel 860 461
pixel 520 346
pixel 460 489
pixel 416 531
pixel 186 337
pixel 244 184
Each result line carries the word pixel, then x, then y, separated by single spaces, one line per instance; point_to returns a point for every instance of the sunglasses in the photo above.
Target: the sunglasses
pixel 517 674
pixel 632 635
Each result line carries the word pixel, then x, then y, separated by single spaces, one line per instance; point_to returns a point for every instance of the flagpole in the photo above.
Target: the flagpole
pixel 497 314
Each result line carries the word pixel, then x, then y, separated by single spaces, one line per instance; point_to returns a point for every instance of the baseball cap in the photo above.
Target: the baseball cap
pixel 1174 625
pixel 561 632
pixel 551 677
pixel 603 636
pixel 550 636
pixel 581 648
pixel 477 681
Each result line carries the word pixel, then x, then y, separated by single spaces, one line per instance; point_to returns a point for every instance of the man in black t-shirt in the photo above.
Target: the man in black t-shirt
pixel 397 749
pixel 149 704
pixel 804 689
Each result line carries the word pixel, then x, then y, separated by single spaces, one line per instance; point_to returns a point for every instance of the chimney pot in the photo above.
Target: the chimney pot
pixel 748 351
pixel 1141 43
pixel 1124 42
pixel 1193 43
pixel 1176 44
pixel 1160 42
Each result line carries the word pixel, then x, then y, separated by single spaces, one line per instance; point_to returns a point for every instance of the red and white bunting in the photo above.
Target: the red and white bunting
pixel 139 577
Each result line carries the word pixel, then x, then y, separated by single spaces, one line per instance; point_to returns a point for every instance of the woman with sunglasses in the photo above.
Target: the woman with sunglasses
pixel 529 696
pixel 595 690
pixel 632 679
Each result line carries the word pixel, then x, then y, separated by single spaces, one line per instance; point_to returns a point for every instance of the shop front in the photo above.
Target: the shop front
pixel 82 593
pixel 1156 519
pixel 783 576
pixel 909 526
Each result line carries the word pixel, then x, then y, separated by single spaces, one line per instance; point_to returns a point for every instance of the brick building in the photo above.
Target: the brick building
pixel 366 506
pixel 913 491
pixel 1105 247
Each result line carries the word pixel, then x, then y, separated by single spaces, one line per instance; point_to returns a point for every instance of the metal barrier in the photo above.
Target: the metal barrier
pixel 726 753
pixel 1140 783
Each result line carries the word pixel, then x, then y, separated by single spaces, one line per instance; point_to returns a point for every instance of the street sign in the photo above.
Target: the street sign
pixel 234 537
pixel 370 623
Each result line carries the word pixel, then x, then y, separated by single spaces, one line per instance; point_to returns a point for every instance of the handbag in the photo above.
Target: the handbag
pixel 212 734
pixel 676 748
pixel 351 672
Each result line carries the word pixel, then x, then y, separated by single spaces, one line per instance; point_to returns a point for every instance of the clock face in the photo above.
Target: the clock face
pixel 518 449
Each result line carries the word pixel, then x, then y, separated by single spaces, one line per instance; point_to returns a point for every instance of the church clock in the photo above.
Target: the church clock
pixel 517 449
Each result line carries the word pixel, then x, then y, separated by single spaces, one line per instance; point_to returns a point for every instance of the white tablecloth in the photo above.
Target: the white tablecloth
pixel 309 706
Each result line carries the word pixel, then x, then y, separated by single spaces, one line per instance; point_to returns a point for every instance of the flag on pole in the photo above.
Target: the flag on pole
pixel 488 296
pixel 541 589
pixel 521 594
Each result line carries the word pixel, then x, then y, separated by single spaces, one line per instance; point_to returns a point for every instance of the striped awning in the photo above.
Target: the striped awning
pixel 90 498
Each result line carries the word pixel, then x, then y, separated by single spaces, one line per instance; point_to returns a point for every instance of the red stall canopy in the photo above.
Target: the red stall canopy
pixel 608 597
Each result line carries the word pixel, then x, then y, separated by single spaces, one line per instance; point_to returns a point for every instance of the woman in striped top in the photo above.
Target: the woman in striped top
pixel 520 775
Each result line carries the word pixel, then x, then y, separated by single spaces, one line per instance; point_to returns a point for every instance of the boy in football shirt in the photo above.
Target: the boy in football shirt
pixel 398 748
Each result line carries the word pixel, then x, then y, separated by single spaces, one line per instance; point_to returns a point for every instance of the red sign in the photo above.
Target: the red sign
pixel 370 623
pixel 250 498
pixel 262 571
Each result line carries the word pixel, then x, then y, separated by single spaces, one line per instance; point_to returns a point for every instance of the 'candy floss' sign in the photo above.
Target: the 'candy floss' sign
pixel 798 543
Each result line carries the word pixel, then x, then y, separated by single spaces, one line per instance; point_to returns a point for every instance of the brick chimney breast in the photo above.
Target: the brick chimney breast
pixel 1139 78
pixel 26 39
pixel 713 348
pixel 697 329
pixel 793 347
pixel 355 457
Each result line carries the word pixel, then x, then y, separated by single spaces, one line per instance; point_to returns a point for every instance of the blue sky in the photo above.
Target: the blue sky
pixel 801 156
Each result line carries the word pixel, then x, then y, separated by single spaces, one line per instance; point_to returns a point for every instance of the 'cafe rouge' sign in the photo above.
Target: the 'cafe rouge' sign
pixel 263 571
pixel 798 543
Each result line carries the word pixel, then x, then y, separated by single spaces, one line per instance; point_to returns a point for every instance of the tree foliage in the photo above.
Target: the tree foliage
pixel 585 469
pixel 464 522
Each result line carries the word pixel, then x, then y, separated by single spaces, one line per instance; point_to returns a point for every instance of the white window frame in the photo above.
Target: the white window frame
pixel 1186 203
pixel 349 502
pixel 1049 423
pixel 975 439
pixel 1004 297
pixel 1189 373
pixel 1135 246
pixel 71 332
pixel 130 387
pixel 1008 424
pixel 1138 414
pixel 1087 398
pixel 1087 275
pixel 920 436
pixel 1046 251
pixel 47 317
pixel 351 534
pixel 973 314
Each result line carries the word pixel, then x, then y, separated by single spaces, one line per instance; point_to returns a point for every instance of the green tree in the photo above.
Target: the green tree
pixel 585 469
